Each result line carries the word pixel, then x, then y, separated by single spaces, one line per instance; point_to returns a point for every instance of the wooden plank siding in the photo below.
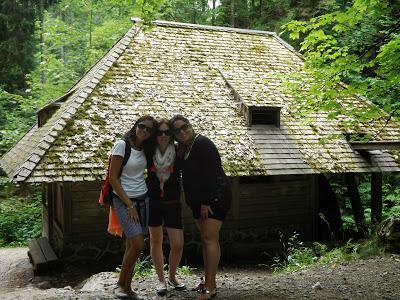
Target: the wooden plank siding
pixel 261 202
pixel 89 220
pixel 285 200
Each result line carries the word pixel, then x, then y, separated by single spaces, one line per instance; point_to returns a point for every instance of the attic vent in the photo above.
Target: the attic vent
pixel 46 112
pixel 265 116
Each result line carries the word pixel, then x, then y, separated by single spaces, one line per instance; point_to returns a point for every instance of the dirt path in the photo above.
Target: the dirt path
pixel 377 278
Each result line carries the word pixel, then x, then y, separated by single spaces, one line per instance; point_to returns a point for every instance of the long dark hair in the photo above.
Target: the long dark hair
pixel 149 144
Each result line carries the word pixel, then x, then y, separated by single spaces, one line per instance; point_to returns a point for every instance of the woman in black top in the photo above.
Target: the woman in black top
pixel 201 171
pixel 165 208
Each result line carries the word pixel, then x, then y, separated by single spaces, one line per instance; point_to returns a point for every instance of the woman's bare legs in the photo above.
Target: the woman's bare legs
pixel 175 237
pixel 209 231
pixel 157 256
pixel 133 248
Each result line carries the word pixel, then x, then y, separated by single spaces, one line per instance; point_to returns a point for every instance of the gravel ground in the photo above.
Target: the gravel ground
pixel 376 278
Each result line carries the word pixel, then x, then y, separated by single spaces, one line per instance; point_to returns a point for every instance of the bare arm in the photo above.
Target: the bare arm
pixel 115 167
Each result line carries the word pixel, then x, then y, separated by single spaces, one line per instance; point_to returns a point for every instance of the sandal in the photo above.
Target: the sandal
pixel 161 290
pixel 206 294
pixel 200 287
pixel 179 286
pixel 134 296
pixel 120 293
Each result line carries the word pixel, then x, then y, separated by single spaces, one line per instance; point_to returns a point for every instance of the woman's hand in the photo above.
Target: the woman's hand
pixel 133 214
pixel 204 210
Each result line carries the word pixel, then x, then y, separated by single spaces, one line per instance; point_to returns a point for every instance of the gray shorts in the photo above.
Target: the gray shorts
pixel 129 227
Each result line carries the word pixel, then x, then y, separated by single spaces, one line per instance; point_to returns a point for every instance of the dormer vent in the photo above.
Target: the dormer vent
pixel 46 112
pixel 264 116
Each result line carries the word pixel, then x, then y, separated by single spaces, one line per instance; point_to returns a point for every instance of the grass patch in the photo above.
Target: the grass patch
pixel 186 270
pixel 298 256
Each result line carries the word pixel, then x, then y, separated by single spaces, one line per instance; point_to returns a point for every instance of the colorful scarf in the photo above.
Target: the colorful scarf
pixel 164 164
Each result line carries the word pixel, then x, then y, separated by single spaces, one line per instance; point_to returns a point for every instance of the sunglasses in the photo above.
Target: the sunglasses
pixel 184 127
pixel 143 126
pixel 166 132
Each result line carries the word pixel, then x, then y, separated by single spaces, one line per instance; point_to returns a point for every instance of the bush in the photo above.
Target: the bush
pixel 20 220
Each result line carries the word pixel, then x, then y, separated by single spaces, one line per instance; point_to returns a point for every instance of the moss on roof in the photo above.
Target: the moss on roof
pixel 195 71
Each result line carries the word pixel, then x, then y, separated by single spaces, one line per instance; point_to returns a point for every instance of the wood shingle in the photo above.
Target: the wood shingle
pixel 208 74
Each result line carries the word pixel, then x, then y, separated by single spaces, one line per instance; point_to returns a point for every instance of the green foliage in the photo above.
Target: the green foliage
pixel 196 12
pixel 20 219
pixel 143 267
pixel 298 256
pixel 186 270
pixel 16 29
pixel 356 44
pixel 391 196
pixel 16 115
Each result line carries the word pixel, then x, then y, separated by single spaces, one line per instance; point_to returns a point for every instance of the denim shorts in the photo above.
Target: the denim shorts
pixel 129 227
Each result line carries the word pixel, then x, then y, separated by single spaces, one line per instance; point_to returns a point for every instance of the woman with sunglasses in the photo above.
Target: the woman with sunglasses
pixel 130 199
pixel 165 208
pixel 201 170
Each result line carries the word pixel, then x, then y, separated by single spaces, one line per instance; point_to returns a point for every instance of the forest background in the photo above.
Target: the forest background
pixel 47 45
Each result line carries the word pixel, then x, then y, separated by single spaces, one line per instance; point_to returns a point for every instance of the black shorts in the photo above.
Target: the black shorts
pixel 219 211
pixel 163 213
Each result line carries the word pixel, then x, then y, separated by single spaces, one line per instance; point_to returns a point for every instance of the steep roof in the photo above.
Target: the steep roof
pixel 207 74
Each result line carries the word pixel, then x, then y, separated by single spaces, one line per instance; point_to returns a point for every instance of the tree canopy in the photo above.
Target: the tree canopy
pixel 356 44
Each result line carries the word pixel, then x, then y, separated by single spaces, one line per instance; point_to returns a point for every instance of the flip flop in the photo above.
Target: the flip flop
pixel 161 290
pixel 120 293
pixel 206 294
pixel 179 287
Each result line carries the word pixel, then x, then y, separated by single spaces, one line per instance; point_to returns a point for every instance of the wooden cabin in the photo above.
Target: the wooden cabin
pixel 228 82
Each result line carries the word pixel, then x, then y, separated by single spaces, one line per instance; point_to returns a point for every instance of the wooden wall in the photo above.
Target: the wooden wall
pixel 74 215
pixel 89 220
pixel 270 201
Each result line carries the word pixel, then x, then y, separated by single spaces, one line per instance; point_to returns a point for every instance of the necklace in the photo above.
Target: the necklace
pixel 187 152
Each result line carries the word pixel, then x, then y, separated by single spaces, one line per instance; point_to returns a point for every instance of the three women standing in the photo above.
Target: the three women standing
pixel 199 161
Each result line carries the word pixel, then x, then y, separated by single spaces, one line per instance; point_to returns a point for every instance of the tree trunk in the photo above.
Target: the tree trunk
pixel 213 12
pixel 42 62
pixel 356 204
pixel 62 49
pixel 232 13
pixel 90 27
pixel 194 12
pixel 376 198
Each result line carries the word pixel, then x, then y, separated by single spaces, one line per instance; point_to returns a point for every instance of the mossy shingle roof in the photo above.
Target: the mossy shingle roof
pixel 205 73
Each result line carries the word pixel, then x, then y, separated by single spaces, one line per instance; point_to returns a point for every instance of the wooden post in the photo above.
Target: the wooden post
pixel 67 205
pixel 376 198
pixel 356 204
pixel 235 201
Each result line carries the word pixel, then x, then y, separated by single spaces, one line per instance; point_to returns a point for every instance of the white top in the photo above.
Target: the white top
pixel 132 176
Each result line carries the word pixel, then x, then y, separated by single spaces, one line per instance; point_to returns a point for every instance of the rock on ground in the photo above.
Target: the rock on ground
pixel 375 278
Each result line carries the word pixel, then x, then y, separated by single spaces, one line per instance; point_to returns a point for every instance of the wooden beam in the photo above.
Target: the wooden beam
pixel 235 187
pixel 356 204
pixel 376 198
pixel 375 145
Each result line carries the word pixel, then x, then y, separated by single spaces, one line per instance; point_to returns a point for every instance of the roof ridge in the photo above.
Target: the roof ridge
pixel 225 29
pixel 83 87
pixel 206 27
